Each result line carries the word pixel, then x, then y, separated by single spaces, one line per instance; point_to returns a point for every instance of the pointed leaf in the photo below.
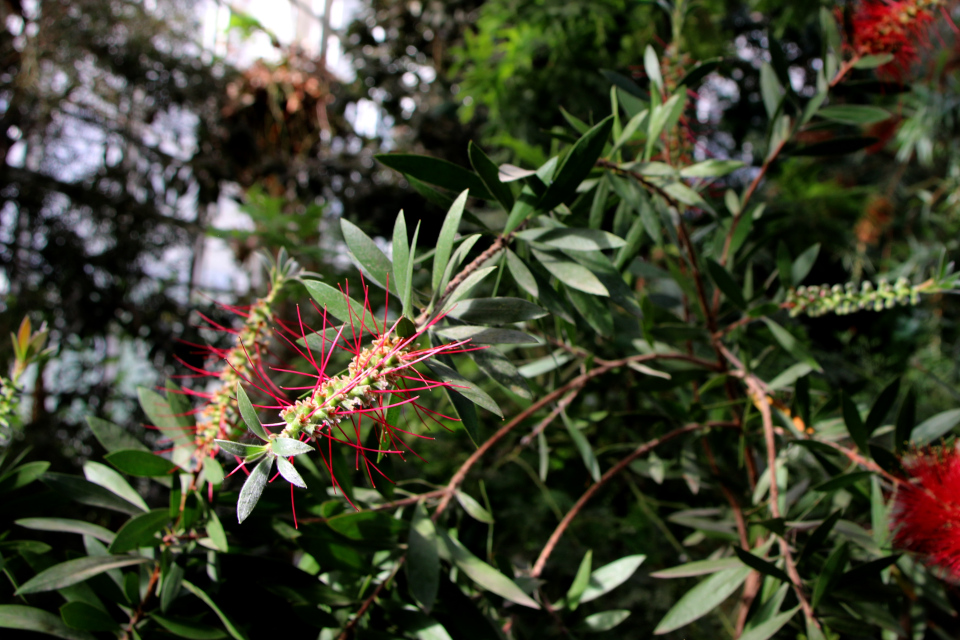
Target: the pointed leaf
pixel 580 581
pixel 855 426
pixel 402 262
pixel 227 623
pixel 802 265
pixel 139 531
pixel 74 571
pixel 583 446
pixel 770 89
pixel 604 621
pixel 141 464
pixel 67 526
pixel 435 171
pixel 570 273
pixel 464 288
pixel 248 452
pixel 489 311
pixel 711 168
pixel 572 239
pixel 287 447
pixel 113 437
pixel 473 508
pixel 185 628
pixel 726 284
pixel 881 407
pixel 577 164
pixel 906 420
pixel 17 616
pixel 855 114
pixel 489 174
pixel 463 386
pixel 610 576
pixel 368 255
pixel 170 589
pixel 253 488
pixel 759 564
pixel 767 629
pixel 934 428
pixel 487 335
pixel 791 345
pixel 88 493
pixel 448 234
pixel 484 575
pixel 702 599
pixel 423 561
pixel 502 371
pixel 289 473
pixel 698 568
pixel 249 414
pixel 109 479
pixel 832 569
pixel 335 301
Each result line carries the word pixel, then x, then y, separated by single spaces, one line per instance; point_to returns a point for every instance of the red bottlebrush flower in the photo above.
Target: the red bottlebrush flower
pixel 886 27
pixel 380 376
pixel 926 513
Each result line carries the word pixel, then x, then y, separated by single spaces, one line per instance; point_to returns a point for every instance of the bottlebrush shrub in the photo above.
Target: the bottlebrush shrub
pixel 655 426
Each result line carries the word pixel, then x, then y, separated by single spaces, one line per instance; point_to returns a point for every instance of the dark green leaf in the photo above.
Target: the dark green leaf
pixel 464 387
pixel 699 71
pixel 784 265
pixel 227 623
pixel 401 262
pixel 86 617
pixel 489 174
pixel 448 234
pixel 435 171
pixel 23 475
pixel 791 345
pixel 842 482
pixel 464 288
pixel 698 568
pixel 434 196
pixel 487 335
pixel 473 508
pixel 702 599
pixel 336 302
pixel 770 89
pixel 832 569
pixel 170 588
pixel 819 536
pixel 143 464
pixel 768 628
pixel 16 616
pixel 936 427
pixel 67 526
pixel 249 414
pixel 577 164
pixel 140 531
pixel 248 452
pixel 604 621
pixel 572 239
pixel 594 310
pixel 906 420
pixel 489 311
pixel 763 566
pixel 855 114
pixel 74 571
pixel 113 437
pixel 522 208
pixel 483 574
pixel 88 493
pixel 583 446
pixel 855 426
pixel 881 407
pixel 502 371
pixel 625 83
pixel 184 628
pixel 802 265
pixel 423 561
pixel 710 168
pixel 374 264
pixel 726 284
pixel 570 272
pixel 253 487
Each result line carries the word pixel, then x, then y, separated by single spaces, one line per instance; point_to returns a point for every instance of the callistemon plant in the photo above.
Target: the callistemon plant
pixel 381 376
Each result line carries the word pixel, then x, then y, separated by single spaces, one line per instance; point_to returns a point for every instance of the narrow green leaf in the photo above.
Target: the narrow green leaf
pixel 934 428
pixel 216 532
pixel 855 426
pixel 423 560
pixel 784 265
pixel 465 287
pixel 651 64
pixel 17 616
pixel 336 302
pixel 473 508
pixel 577 164
pixel 140 531
pixel 702 599
pixel 169 423
pixel 463 386
pixel 698 568
pixel 502 371
pixel 74 571
pixel 448 234
pixel 906 420
pixel 570 273
pixel 86 617
pixel 113 437
pixel 490 175
pixel 483 574
pixel 487 335
pixel 881 407
pixel 401 262
pixel 109 479
pixel 249 414
pixel 522 274
pixel 855 114
pixel 580 581
pixel 435 171
pixel 67 526
pixel 802 265
pixel 525 205
pixel 767 629
pixel 842 481
pixel 248 452
pixel 770 89
pixel 253 488
pixel 287 447
pixel 726 284
pixel 289 473
pixel 170 588
pixel 141 464
pixel 583 446
pixel 213 471
pixel 819 536
pixel 572 239
pixel 190 629
pixel 88 493
pixel 227 623
pixel 604 621
pixel 832 569
pixel 710 168
pixel 791 345
pixel 456 260
pixel 593 309
pixel 759 564
pixel 489 311
pixel 23 475
pixel 365 251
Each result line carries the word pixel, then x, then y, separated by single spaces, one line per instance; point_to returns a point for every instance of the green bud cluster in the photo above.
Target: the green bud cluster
pixel 373 369
pixel 819 300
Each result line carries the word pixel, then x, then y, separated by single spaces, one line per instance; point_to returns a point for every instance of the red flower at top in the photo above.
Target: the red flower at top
pixel 926 514
pixel 884 27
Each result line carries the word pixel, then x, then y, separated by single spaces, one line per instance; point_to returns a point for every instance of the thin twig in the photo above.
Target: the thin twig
pixel 350 626
pixel 606 477
pixel 138 614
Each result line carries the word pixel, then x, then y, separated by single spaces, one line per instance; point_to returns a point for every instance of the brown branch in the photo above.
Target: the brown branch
pixel 138 614
pixel 563 404
pixel 351 626
pixel 606 477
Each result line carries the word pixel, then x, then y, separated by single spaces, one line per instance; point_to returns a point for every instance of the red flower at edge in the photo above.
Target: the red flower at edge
pixel 926 513
pixel 883 27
